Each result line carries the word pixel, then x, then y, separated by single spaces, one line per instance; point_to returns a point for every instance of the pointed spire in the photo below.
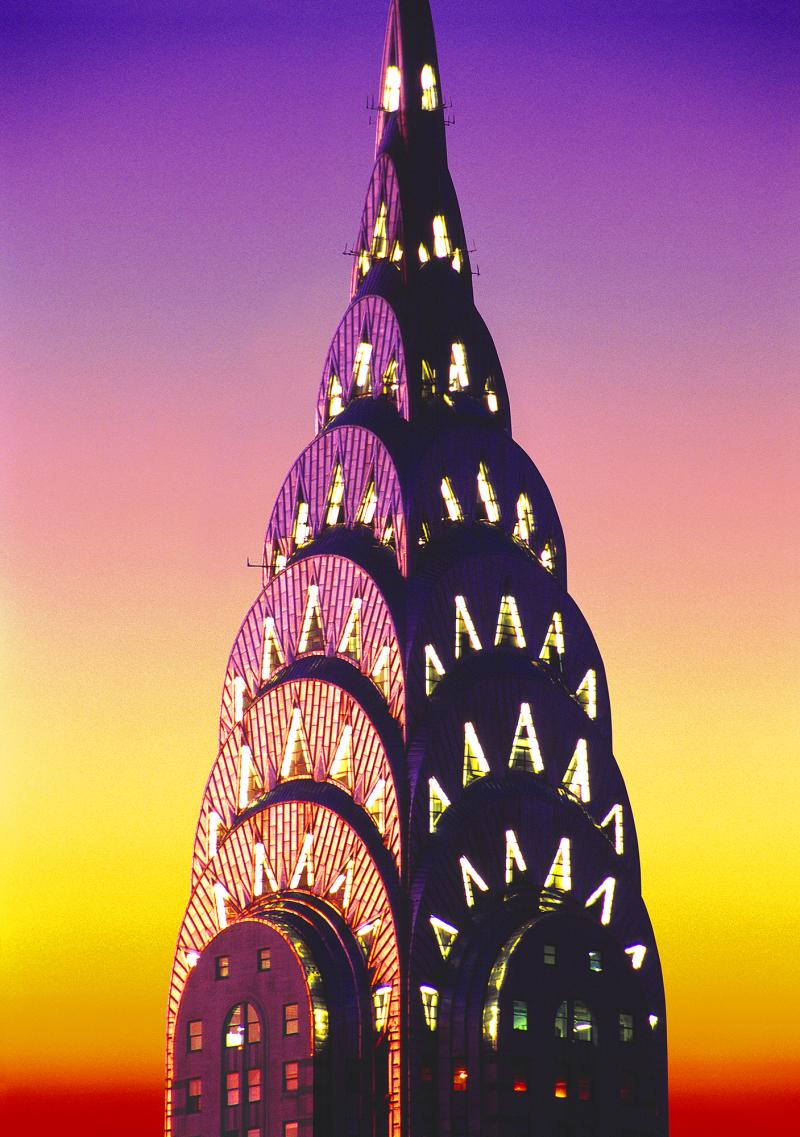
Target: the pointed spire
pixel 410 93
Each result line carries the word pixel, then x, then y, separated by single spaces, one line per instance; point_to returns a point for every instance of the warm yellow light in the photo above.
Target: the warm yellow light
pixel 369 503
pixel 456 262
pixel 302 529
pixel 430 1004
pixel 375 805
pixel 438 802
pixel 548 557
pixel 192 958
pixel 380 672
pixel 333 512
pixel 341 767
pixel 524 526
pixel 296 762
pixel 272 653
pixel 653 1020
pixel 637 953
pixel 362 372
pixel 472 879
pixel 488 497
pixel 441 241
pixel 335 392
pixel 380 243
pixel 305 863
pixel 459 373
pixel 430 93
pixel 514 857
pixel 445 935
pixel 434 669
pixel 587 693
pixel 606 890
pixel 576 778
pixel 311 635
pixel 424 255
pixel 397 252
pixel 363 262
pixel 615 814
pixel 239 690
pixel 475 764
pixel 344 882
pixel 350 642
pixel 525 752
pixel 465 627
pixel 509 625
pixel 261 870
pixel 245 775
pixel 380 1002
pixel 451 502
pixel 214 824
pixel 391 88
pixel 220 898
pixel 560 875
pixel 554 640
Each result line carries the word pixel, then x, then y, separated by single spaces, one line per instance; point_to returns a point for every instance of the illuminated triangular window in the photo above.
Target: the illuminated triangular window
pixel 380 1005
pixel 380 672
pixel 312 637
pixel 434 669
pixel 438 802
pixel 248 777
pixel 301 529
pixel 391 88
pixel 424 534
pixel 239 695
pixel 445 935
pixel 553 646
pixel 335 393
pixel 375 805
pixel 367 934
pixel 587 693
pixel 424 255
pixel 430 1005
pixel 342 765
pixel 369 503
pixel 263 872
pixel 560 875
pixel 380 242
pixel 488 509
pixel 363 263
pixel 397 253
pixel 428 379
pixel 514 857
pixel 466 636
pixel 362 369
pixel 523 529
pixel 615 817
pixel 525 753
pixel 475 764
pixel 637 952
pixel 441 241
pixel 387 536
pixel 490 395
pixel 342 887
pixel 272 656
pixel 548 557
pixel 451 502
pixel 390 381
pixel 214 827
pixel 509 626
pixel 576 779
pixel 305 864
pixel 350 643
pixel 430 92
pixel 334 513
pixel 456 262
pixel 459 373
pixel 472 879
pixel 604 892
pixel 296 758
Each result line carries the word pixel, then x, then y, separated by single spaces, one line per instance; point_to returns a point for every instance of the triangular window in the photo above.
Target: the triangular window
pixel 380 1005
pixel 424 533
pixel 387 536
pixel 305 864
pixel 390 380
pixel 335 393
pixel 430 1005
pixel 488 509
pixel 375 804
pixel 472 879
pixel 428 380
pixel 445 935
pixel 438 802
pixel 350 643
pixel 363 263
pixel 272 656
pixel 466 636
pixel 424 255
pixel 456 261
pixel 301 530
pixel 475 764
pixel 296 758
pixel 525 753
pixel 248 777
pixel 397 253
pixel 380 672
pixel 459 373
pixel 509 626
pixel 263 872
pixel 380 242
pixel 576 779
pixel 430 90
pixel 433 669
pixel 615 817
pixel 342 765
pixel 560 875
pixel 312 637
pixel 523 529
pixel 553 646
pixel 606 892
pixel 548 557
pixel 342 887
pixel 362 368
pixel 367 934
pixel 441 241
pixel 334 509
pixel 391 88
pixel 514 857
pixel 490 395
pixel 587 693
pixel 451 503
pixel 369 503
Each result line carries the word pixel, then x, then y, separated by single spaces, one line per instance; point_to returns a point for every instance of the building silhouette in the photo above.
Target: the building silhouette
pixel 416 904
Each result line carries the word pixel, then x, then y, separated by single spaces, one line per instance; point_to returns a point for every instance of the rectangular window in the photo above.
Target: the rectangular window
pixel 626 1028
pixel 595 961
pixel 520 1015
pixel 194 1095
pixel 291 1129
pixel 195 1035
pixel 264 959
pixel 560 1089
pixel 223 967
pixel 232 1089
pixel 550 955
pixel 291 1019
pixel 253 1133
pixel 520 1086
pixel 460 1079
pixel 291 1077
pixel 254 1084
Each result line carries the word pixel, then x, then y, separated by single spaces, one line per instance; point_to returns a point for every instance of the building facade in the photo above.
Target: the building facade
pixel 416 905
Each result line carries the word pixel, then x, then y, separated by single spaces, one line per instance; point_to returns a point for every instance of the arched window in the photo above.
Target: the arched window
pixel 242 1026
pixel 575 1022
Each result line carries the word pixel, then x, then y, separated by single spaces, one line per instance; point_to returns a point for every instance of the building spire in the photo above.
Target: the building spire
pixel 410 92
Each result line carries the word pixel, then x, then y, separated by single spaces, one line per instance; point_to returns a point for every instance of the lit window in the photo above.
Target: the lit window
pixel 296 758
pixel 488 509
pixel 430 94
pixel 490 395
pixel 653 1020
pixel 441 241
pixel 254 1084
pixel 428 379
pixel 523 529
pixel 560 1089
pixel 430 1005
pixel 222 899
pixel 465 628
pixel 291 1077
pixel 525 753
pixel 584 1028
pixel 472 880
pixel 262 869
pixel 553 646
pixel 595 961
pixel 239 693
pixel 335 392
pixel 194 1094
pixel 194 1035
pixel 387 536
pixel 380 672
pixel 434 669
pixel 272 653
pixel 606 891
pixel 341 768
pixel 459 375
pixel 390 381
pixel 243 1025
pixel 291 1129
pixel 424 534
pixel 397 253
pixel 576 778
pixel 391 88
pixel 375 805
pixel 562 1021
pixel 333 508
pixel 291 1019
pixel 363 263
pixel 362 371
pixel 380 243
pixel 305 863
pixel 460 1079
pixel 456 261
pixel 445 935
pixel 509 626
pixel 475 764
pixel 380 1006
pixel 214 826
pixel 451 502
pixel 560 875
pixel 438 801
pixel 264 959
pixel 637 952
pixel 367 934
pixel 222 967
pixel 350 643
pixel 344 884
pixel 424 255
pixel 615 815
pixel 301 530
pixel 520 1014
pixel 514 858
pixel 253 1133
pixel 549 955
pixel 520 1086
pixel 248 777
pixel 587 693
pixel 232 1088
pixel 312 637
pixel 548 557
pixel 626 1028
pixel 369 503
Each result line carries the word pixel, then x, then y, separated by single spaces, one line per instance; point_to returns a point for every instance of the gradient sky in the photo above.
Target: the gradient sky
pixel 178 181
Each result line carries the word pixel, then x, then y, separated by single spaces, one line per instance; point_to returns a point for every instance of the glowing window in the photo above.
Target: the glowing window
pixel 350 643
pixel 428 379
pixel 460 1079
pixel 194 1095
pixel 214 826
pixel 595 961
pixel 424 534
pixel 604 891
pixel 362 371
pixel 424 255
pixel 333 508
pixel 520 1014
pixel 520 1086
pixel 239 692
pixel 584 1028
pixel 380 672
pixel 456 261
pixel 363 263
pixel 366 936
pixel 562 1021
pixel 221 898
pixel 509 626
pixel 465 629
pixel 525 753
pixel 387 536
pixel 264 959
pixel 194 1035
pixel 560 1089
pixel 375 805
pixel 291 1077
pixel 459 374
pixel 254 1084
pixel 472 879
pixel 445 935
pixel 390 381
pixel 335 393
pixel 637 952
pixel 549 955
pixel 441 241
pixel 548 557
pixel 614 816
pixel 380 243
pixel 490 395
pixel 242 1025
pixel 296 758
pixel 291 1019
pixel 587 693
pixel 524 527
pixel 626 1028
pixel 344 884
pixel 262 869
pixel 451 502
pixel 301 530
pixel 430 93
pixel 434 669
pixel 232 1088
pixel 272 653
pixel 438 802
pixel 430 1005
pixel 397 253
pixel 291 1129
pixel 576 778
pixel 305 864
pixel 488 509
pixel 380 1004
pixel 248 778
pixel 553 646
pixel 475 764
pixel 369 503
pixel 514 858
pixel 312 637
pixel 222 967
pixel 391 88
pixel 560 874
pixel 341 768
pixel 653 1020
